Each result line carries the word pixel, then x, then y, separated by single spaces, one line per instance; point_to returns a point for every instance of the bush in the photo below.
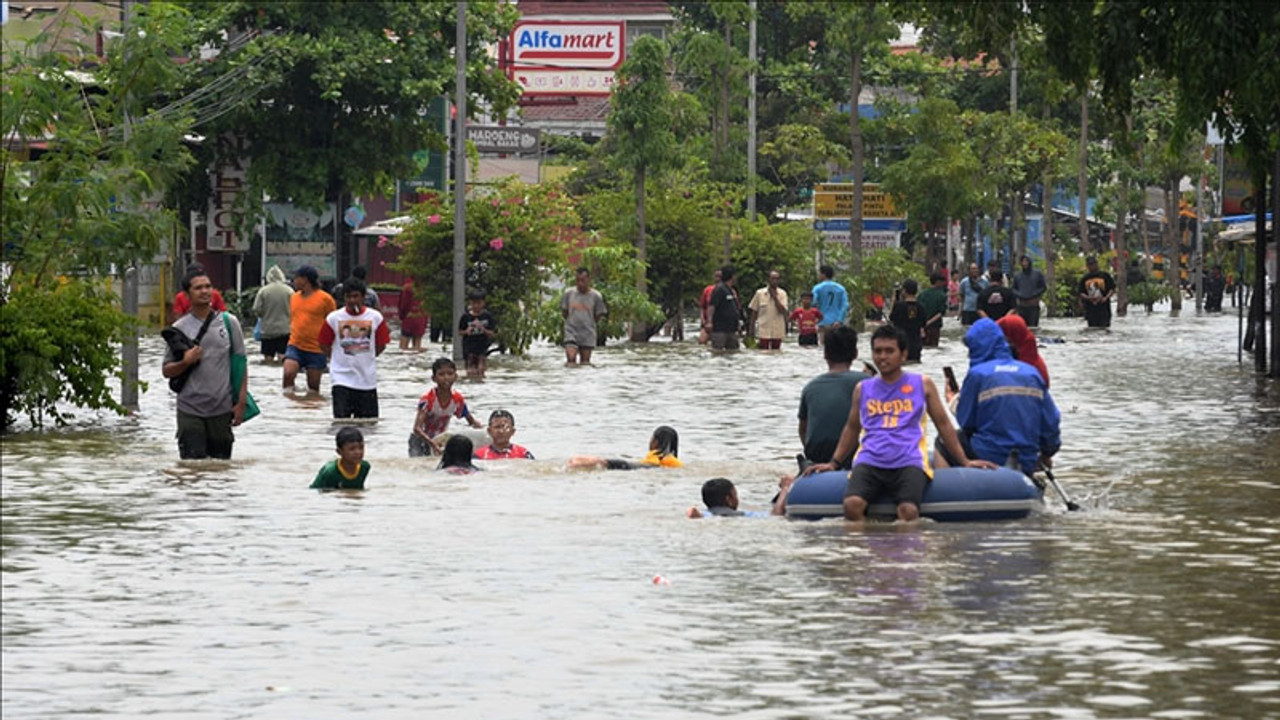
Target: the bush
pixel 1149 293
pixel 58 344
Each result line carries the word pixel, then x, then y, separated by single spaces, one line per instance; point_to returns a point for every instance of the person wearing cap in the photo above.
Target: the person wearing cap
pixel 308 309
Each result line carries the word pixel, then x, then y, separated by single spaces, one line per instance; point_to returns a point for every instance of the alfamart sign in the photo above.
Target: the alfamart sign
pixel 566 57
pixel 567 44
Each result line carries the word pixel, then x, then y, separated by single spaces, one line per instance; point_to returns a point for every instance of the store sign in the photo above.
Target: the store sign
pixel 299 236
pixel 568 44
pixel 224 232
pixel 833 200
pixel 432 164
pixel 503 139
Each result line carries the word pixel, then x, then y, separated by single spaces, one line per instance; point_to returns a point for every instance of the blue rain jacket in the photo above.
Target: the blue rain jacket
pixel 1004 404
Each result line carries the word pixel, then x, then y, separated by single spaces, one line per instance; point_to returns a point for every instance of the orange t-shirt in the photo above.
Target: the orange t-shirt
pixel 306 317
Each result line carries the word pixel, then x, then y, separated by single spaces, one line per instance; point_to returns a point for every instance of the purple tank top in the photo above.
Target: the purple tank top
pixel 893 418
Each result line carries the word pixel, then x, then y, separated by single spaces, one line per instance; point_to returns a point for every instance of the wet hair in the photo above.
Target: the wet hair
pixel 726 273
pixel 936 278
pixel 360 272
pixel 442 363
pixel 354 284
pixel 911 287
pixel 194 270
pixel 842 345
pixel 715 492
pixel 827 271
pixel 348 435
pixel 996 276
pixel 499 414
pixel 457 453
pixel 668 441
pixel 310 273
pixel 890 332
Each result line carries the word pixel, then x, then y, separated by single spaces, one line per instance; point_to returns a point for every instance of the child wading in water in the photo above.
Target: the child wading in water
pixel 806 319
pixel 664 451
pixel 349 471
pixel 477 327
pixel 456 457
pixel 501 427
pixel 435 409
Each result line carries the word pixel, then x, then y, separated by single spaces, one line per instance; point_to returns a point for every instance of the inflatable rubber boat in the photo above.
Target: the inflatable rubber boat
pixel 955 495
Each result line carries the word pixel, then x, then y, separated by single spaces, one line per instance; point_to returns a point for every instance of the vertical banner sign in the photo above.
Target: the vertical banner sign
pixel 230 170
pixel 431 163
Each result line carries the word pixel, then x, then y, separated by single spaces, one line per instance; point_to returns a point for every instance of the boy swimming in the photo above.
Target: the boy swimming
pixel 435 408
pixel 501 427
pixel 349 471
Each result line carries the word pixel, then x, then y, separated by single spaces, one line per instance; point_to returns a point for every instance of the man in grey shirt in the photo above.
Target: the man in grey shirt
pixel 271 305
pixel 582 308
pixel 1028 286
pixel 206 410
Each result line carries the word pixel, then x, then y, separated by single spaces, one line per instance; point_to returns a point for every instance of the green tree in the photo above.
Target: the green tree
pixel 330 94
pixel 642 137
pixel 516 239
pixel 796 156
pixel 82 208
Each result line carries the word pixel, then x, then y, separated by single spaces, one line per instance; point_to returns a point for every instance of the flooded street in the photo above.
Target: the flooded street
pixel 136 585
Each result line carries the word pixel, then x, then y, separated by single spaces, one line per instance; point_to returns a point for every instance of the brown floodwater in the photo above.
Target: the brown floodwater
pixel 137 585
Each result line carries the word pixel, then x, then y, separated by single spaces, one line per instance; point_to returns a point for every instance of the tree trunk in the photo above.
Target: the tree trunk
pixel 639 330
pixel 1275 284
pixel 1046 244
pixel 1122 249
pixel 1259 319
pixel 1172 247
pixel 1082 179
pixel 1016 241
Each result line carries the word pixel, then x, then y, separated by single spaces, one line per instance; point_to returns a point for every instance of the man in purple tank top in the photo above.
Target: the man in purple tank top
pixel 886 429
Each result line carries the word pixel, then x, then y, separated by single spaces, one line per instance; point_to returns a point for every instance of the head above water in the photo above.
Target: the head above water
pixel 457 453
pixel 910 286
pixel 309 274
pixel 996 277
pixel 726 273
pixel 666 441
pixel 582 279
pixel 444 369
pixel 1091 262
pixel 827 271
pixel 353 291
pixel 720 492
pixel 937 279
pixel 841 347
pixel 888 350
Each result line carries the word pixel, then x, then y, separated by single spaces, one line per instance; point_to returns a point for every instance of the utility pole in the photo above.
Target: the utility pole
pixel 751 119
pixel 460 179
pixel 129 292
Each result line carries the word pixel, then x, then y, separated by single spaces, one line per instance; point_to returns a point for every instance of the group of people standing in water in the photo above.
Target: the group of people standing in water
pixel 872 422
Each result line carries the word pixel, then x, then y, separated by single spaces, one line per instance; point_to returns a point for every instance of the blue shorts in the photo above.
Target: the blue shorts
pixel 308 360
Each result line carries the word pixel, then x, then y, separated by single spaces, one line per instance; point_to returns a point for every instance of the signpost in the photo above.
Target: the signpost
pixel 504 139
pixel 835 200
pixel 433 163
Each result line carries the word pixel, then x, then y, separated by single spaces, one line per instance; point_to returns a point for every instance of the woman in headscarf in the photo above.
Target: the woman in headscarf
pixel 1023 343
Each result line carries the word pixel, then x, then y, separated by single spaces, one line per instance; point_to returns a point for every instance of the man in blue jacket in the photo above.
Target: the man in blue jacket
pixel 1004 405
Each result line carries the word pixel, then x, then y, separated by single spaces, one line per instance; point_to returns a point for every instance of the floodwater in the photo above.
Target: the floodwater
pixel 136 585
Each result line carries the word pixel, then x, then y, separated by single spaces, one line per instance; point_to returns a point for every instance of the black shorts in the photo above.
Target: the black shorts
pixel 809 339
pixel 475 348
pixel 904 485
pixel 349 402
pixel 968 317
pixel 275 345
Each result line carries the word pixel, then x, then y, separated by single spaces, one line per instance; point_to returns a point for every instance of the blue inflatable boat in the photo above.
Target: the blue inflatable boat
pixel 955 495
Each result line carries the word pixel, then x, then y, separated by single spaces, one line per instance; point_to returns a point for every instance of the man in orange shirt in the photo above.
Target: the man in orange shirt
pixel 308 309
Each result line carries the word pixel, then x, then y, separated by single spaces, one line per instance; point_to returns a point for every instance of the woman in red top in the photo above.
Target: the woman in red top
pixel 413 321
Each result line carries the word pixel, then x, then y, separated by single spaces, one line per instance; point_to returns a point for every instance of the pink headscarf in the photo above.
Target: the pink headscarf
pixel 1023 343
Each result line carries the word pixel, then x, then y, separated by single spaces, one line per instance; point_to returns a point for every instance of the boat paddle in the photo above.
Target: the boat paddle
pixel 1072 505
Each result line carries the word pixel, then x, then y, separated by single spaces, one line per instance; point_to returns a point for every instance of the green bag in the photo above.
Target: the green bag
pixel 239 369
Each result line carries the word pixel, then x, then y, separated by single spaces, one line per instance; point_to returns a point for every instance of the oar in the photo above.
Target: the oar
pixel 1071 504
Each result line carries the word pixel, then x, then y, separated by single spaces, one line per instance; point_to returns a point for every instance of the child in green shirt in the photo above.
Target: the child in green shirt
pixel 350 469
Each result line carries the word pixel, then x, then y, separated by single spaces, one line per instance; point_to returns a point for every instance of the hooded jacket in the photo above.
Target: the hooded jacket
pixel 271 304
pixel 1004 404
pixel 1023 342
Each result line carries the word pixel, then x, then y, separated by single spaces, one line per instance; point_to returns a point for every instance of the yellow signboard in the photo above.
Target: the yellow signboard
pixel 835 200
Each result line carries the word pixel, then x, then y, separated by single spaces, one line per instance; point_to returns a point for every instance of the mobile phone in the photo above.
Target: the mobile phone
pixel 951 379
pixel 869 369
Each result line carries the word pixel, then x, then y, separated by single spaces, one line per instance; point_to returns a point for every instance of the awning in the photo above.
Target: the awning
pixel 390 226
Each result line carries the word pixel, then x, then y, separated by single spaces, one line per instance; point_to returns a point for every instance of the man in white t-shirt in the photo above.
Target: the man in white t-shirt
pixel 353 337
pixel 768 310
